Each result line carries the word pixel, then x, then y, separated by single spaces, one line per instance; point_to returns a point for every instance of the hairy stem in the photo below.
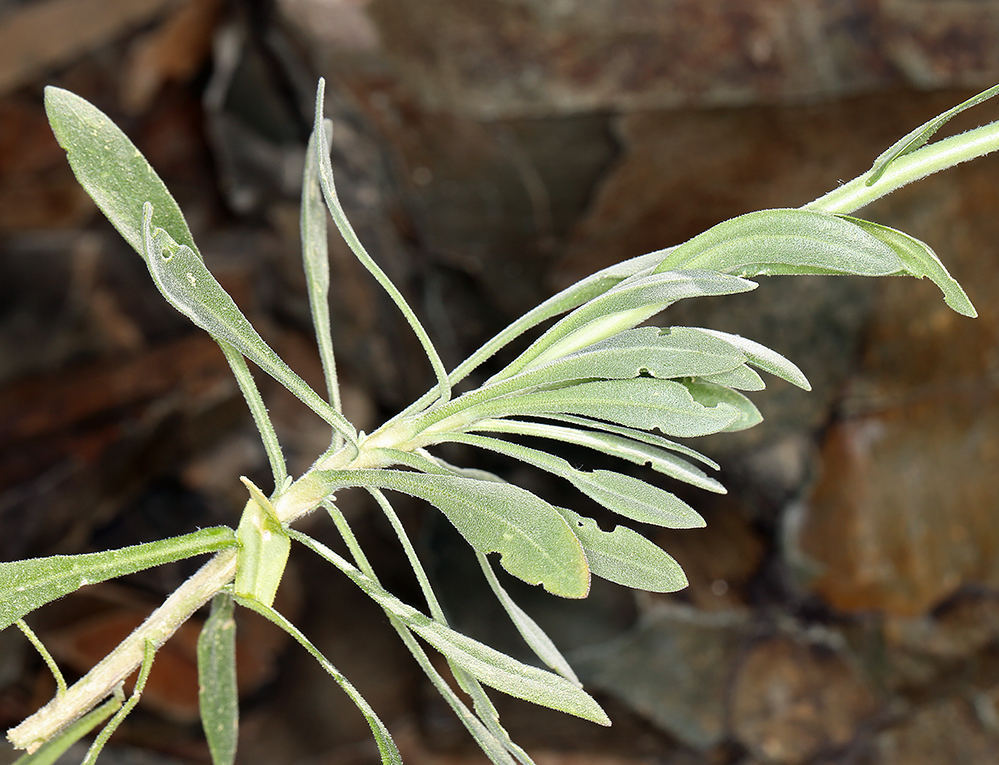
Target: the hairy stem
pixel 925 161
pixel 122 661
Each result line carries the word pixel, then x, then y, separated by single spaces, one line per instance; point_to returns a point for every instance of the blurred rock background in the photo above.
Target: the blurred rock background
pixel 844 597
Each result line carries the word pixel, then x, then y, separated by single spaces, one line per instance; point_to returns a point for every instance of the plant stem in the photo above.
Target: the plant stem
pixel 927 160
pixel 100 681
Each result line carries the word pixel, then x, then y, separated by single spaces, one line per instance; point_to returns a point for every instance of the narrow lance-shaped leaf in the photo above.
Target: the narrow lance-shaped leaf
pixel 350 237
pixel 711 395
pixel 786 241
pixel 534 541
pixel 190 287
pixel 622 494
pixel 918 137
pixel 740 378
pixel 571 297
pixel 635 446
pixel 29 584
pixel 764 358
pixel 622 307
pixel 652 351
pixel 625 557
pixel 386 746
pixel 218 700
pixel 315 258
pixel 529 629
pixel 486 664
pixel 641 402
pixel 920 261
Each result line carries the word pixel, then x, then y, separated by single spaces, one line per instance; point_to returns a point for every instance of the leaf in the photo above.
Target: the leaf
pixel 652 351
pixel 29 584
pixel 187 284
pixel 763 358
pixel 112 170
pixel 386 746
pixel 622 307
pixel 571 297
pixel 534 541
pixel 918 137
pixel 218 700
pixel 740 378
pixel 263 549
pixel 495 669
pixel 711 395
pixel 315 259
pixel 642 402
pixel 625 557
pixel 635 446
pixel 920 261
pixel 786 241
pixel 622 494
pixel 325 168
pixel 529 629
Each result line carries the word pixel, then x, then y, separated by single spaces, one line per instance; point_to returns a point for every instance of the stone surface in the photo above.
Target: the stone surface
pixel 493 58
pixel 942 733
pixel 903 513
pixel 673 668
pixel 793 699
pixel 719 559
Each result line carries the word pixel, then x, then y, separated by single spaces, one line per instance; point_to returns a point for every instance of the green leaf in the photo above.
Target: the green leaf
pixel 529 629
pixel 711 395
pixel 740 378
pixel 642 402
pixel 571 297
pixel 350 237
pixel 920 261
pixel 650 351
pixel 29 584
pixel 622 307
pixel 112 170
pixel 763 358
pixel 918 137
pixel 315 258
pixel 633 445
pixel 534 541
pixel 218 699
pixel 263 549
pixel 187 284
pixel 386 746
pixel 625 557
pixel 495 669
pixel 622 494
pixel 786 241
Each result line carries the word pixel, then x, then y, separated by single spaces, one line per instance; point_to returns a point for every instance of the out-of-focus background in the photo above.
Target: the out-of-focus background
pixel 843 605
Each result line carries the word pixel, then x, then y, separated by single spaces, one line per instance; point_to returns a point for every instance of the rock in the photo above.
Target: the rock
pixel 720 559
pixel 951 650
pixel 673 668
pixel 502 59
pixel 946 732
pixel 792 699
pixel 903 513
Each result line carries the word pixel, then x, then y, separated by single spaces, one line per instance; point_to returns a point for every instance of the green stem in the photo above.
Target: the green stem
pixel 100 681
pixel 46 656
pixel 248 387
pixel 925 161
